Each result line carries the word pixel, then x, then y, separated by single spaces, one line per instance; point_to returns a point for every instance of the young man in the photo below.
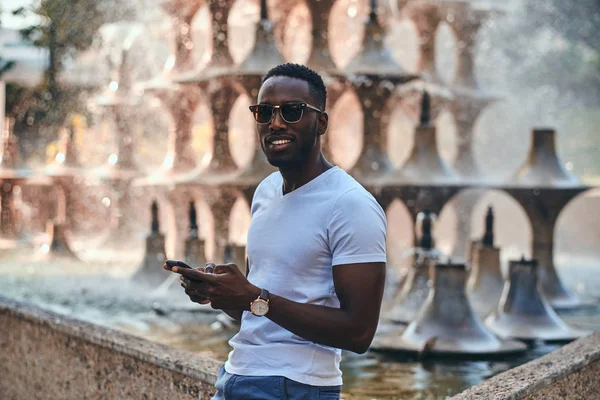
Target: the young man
pixel 316 257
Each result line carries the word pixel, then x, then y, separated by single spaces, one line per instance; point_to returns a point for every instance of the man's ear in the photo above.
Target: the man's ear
pixel 323 123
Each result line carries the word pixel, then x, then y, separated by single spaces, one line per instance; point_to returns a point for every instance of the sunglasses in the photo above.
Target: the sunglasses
pixel 290 112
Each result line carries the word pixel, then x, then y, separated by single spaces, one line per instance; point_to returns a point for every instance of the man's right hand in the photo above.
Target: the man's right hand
pixel 196 289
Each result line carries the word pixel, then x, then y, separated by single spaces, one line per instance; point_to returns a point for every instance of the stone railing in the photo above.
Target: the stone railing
pixel 44 355
pixel 569 373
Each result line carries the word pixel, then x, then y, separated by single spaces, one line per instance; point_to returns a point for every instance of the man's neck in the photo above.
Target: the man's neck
pixel 295 177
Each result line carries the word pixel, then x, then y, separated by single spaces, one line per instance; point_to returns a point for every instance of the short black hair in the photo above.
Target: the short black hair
pixel 315 82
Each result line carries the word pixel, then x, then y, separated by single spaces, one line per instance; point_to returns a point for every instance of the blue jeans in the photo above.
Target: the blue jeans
pixel 240 387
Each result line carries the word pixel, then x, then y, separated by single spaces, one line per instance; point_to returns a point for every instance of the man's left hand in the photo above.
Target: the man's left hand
pixel 227 288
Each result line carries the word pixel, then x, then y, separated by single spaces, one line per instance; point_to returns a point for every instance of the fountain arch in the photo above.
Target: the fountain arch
pixel 447 135
pixel 446 53
pixel 295 33
pixel 426 18
pixel 203 132
pixel 152 139
pixel 221 95
pixel 279 14
pixel 176 229
pixel 400 136
pixel 400 237
pixel 346 30
pixel 243 16
pixel 201 27
pixel 576 234
pixel 345 133
pixel 514 233
pixel 206 226
pixel 403 42
pixel 239 221
pixel 242 132
pixel 513 236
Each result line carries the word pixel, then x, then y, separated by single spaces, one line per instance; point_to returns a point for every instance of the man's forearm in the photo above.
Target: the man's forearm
pixel 323 325
pixel 235 314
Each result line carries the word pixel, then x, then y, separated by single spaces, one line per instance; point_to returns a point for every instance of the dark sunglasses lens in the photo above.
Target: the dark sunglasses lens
pixel 291 112
pixel 262 113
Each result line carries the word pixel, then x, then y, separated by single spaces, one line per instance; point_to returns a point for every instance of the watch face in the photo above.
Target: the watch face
pixel 259 307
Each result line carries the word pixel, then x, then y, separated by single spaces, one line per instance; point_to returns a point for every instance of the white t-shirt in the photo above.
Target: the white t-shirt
pixel 294 242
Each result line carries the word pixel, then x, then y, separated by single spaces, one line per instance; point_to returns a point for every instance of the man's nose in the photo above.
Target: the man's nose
pixel 277 123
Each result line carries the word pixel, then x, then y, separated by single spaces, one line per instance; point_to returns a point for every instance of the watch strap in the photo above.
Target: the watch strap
pixel 264 294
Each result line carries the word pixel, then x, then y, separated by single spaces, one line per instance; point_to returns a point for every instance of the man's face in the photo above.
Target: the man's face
pixel 289 144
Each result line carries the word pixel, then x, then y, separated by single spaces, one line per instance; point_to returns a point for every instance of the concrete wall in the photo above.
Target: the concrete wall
pixel 47 356
pixel 569 373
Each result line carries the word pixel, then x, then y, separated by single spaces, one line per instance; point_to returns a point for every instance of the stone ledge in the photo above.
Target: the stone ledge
pixel 552 369
pixel 40 332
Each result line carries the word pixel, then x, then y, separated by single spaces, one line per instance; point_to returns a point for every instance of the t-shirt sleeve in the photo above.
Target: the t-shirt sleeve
pixel 357 229
pixel 255 196
pixel 258 194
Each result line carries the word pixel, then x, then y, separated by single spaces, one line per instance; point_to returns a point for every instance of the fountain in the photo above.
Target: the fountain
pixel 12 174
pixel 425 164
pixel 194 246
pixel 180 104
pixel 414 292
pixel 523 311
pixel 221 182
pixel 466 18
pixel 150 272
pixel 425 183
pixel 118 102
pixel 65 175
pixel 235 254
pixel 542 167
pixel 374 77
pixel 543 187
pixel 446 324
pixel 485 283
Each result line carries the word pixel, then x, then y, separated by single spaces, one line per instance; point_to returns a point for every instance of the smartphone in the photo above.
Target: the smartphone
pixel 174 263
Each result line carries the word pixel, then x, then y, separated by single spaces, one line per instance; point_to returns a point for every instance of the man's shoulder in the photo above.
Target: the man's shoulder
pixel 347 187
pixel 265 189
pixel 273 180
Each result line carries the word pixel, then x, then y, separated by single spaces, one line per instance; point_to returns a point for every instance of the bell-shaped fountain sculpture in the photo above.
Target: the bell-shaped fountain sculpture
pixel 425 163
pixel 235 254
pixel 523 312
pixel 446 325
pixel 414 292
pixel 194 252
pixel 542 167
pixel 486 282
pixel 265 54
pixel 150 271
pixel 375 58
pixel 194 246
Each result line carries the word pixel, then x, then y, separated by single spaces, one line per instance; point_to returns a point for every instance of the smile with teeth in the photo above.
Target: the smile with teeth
pixel 281 141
